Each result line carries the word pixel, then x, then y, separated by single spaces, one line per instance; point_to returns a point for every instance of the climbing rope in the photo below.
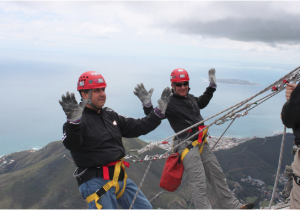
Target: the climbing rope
pixel 137 192
pixel 276 87
pixel 223 134
pixel 156 196
pixel 279 166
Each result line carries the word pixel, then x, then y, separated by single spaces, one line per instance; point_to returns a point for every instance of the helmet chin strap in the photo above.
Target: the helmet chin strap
pixel 90 101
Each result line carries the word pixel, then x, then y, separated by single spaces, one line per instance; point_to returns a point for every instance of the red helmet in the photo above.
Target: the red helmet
pixel 90 80
pixel 179 75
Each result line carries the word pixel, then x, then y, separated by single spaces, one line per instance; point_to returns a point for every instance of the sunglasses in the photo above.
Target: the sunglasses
pixel 180 84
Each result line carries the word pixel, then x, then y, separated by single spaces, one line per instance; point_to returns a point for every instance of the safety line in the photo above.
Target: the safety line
pixel 156 196
pixel 223 134
pixel 278 84
pixel 137 192
pixel 279 166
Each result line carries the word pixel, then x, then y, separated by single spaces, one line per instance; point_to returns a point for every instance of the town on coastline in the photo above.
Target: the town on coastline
pixel 229 142
pixel 265 190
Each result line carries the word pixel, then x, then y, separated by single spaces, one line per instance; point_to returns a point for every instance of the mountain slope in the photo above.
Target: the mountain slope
pixel 44 179
pixel 257 158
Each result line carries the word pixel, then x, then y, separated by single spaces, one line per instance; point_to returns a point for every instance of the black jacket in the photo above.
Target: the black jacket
pixel 183 112
pixel 97 140
pixel 291 113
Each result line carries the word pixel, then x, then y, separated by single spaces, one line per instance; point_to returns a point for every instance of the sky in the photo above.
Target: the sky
pixel 46 46
pixel 246 31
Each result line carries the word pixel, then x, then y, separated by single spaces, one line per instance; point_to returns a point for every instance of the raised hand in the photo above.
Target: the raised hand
pixel 72 109
pixel 164 100
pixel 289 89
pixel 143 94
pixel 212 78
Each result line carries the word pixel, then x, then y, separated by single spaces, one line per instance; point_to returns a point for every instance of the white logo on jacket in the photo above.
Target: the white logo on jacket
pixel 64 136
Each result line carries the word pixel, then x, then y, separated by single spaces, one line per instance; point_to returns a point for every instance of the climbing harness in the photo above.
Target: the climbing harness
pixel 114 183
pixel 200 141
pixel 297 179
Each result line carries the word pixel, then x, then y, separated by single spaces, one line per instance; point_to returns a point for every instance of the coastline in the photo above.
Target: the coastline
pixel 227 142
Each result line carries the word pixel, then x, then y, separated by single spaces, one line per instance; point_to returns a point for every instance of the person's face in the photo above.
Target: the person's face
pixel 181 88
pixel 98 97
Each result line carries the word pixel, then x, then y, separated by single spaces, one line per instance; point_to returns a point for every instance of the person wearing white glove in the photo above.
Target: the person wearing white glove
pixel 200 162
pixel 93 134
pixel 145 97
pixel 143 94
pixel 212 78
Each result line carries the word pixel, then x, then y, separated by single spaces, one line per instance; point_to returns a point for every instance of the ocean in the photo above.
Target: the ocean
pixel 31 116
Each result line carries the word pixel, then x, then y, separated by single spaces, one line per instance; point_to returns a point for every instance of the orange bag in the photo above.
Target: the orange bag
pixel 172 173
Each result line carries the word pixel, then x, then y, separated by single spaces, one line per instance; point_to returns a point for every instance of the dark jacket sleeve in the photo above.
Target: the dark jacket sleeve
pixel 147 110
pixel 205 98
pixel 72 138
pixel 131 127
pixel 291 110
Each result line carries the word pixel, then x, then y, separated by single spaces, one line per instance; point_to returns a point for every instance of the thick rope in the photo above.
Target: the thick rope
pixel 137 192
pixel 173 149
pixel 279 166
pixel 290 76
pixel 156 196
pixel 207 128
pixel 223 134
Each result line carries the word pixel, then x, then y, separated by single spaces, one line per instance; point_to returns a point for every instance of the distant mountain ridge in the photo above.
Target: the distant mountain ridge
pixel 43 179
pixel 236 82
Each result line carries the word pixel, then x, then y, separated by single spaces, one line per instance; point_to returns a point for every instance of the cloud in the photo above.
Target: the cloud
pixel 250 26
pixel 269 31
pixel 268 22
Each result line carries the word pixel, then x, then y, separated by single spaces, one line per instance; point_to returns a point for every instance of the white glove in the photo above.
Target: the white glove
pixel 143 94
pixel 163 102
pixel 71 107
pixel 212 78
